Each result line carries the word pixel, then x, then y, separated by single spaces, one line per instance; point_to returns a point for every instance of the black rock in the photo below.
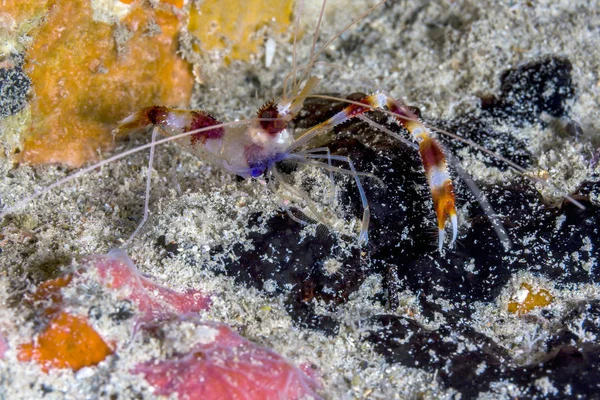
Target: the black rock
pixel 464 359
pixel 531 89
pixel 470 362
pixel 296 267
pixel 14 86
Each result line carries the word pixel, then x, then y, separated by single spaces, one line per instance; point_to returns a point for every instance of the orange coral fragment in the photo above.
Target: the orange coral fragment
pixel 530 300
pixel 84 82
pixel 67 342
pixel 50 292
pixel 231 25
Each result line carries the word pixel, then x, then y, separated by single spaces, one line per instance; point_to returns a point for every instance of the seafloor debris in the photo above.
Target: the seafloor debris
pixel 527 298
pixel 199 359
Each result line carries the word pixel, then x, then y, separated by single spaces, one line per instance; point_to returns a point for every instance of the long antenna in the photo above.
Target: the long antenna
pixel 483 203
pixel 354 21
pixel 296 27
pixel 316 35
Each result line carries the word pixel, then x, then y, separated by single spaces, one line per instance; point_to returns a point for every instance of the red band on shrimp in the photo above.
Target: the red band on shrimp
pixel 156 115
pixel 200 120
pixel 431 154
pixel 354 109
pixel 269 110
pixel 402 110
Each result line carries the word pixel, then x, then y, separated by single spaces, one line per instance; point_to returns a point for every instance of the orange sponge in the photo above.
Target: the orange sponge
pixel 529 300
pixel 235 32
pixel 86 75
pixel 67 342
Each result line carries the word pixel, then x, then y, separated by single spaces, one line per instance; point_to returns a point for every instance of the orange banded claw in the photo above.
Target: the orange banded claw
pixel 434 161
pixel 440 184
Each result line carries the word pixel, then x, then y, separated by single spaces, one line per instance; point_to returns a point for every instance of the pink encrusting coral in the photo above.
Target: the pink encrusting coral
pixel 155 302
pixel 224 365
pixel 211 362
pixel 221 365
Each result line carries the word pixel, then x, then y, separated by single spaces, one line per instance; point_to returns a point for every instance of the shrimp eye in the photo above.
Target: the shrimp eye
pixel 269 110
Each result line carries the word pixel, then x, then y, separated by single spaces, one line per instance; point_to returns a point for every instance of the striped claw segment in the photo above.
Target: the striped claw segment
pixel 432 155
pixel 438 178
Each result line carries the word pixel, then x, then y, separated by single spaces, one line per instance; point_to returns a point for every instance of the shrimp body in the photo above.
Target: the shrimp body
pixel 247 150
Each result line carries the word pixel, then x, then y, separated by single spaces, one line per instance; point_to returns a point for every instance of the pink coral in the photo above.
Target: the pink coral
pixel 155 302
pixel 224 365
pixel 221 365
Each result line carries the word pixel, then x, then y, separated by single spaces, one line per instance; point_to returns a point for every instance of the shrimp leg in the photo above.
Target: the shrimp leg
pixel 363 237
pixel 148 187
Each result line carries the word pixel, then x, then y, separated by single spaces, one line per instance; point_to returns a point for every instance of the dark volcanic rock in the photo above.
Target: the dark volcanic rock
pixel 465 360
pixel 296 267
pixel 531 89
pixel 470 362
pixel 14 86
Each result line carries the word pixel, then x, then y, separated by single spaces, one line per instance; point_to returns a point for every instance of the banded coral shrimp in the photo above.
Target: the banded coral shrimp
pixel 264 143
pixel 380 100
